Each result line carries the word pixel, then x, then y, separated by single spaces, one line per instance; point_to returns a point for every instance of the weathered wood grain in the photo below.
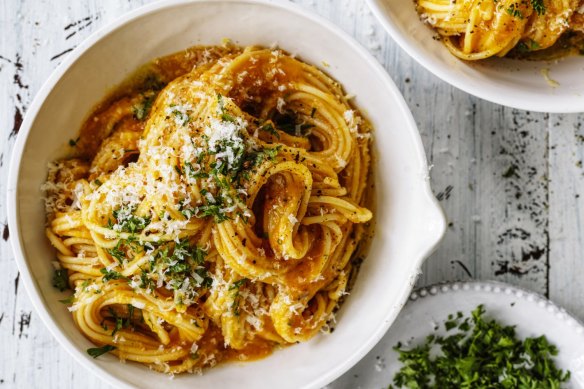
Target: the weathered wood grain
pixel 490 173
pixel 566 220
pixel 509 181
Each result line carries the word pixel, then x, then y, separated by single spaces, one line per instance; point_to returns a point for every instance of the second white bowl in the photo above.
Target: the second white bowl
pixel 514 83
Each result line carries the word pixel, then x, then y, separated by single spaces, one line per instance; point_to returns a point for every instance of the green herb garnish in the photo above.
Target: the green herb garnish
pixel 97 351
pixel 538 6
pixel 61 279
pixel 270 129
pixel 226 117
pixel 177 264
pixel 236 296
pixel 238 284
pixel 110 275
pixel 479 354
pixel 126 221
pixel 142 109
pixel 514 11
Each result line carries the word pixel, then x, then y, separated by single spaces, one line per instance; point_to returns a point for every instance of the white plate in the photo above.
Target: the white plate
pixel 514 83
pixel 410 222
pixel 531 313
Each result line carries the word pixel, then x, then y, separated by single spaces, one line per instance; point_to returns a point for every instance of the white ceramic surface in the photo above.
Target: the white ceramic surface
pixel 532 314
pixel 410 223
pixel 514 83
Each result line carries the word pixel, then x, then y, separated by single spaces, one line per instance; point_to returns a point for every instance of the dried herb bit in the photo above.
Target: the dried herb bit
pixel 97 351
pixel 73 142
pixel 479 354
pixel 61 279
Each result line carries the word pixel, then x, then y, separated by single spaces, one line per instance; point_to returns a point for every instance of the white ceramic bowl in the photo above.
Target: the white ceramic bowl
pixel 514 83
pixel 410 223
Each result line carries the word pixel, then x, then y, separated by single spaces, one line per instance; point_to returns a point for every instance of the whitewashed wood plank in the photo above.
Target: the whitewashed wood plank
pixel 494 231
pixel 567 211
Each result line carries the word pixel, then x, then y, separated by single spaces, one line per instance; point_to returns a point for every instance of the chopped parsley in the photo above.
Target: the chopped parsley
pixel 120 322
pixel 95 352
pixel 514 11
pixel 266 154
pixel 152 82
pixel 61 279
pixel 292 124
pixel 238 284
pixel 270 130
pixel 126 221
pixel 120 250
pixel 214 210
pixel 538 6
pixel 145 281
pixel 479 353
pixel 117 253
pixel 183 270
pixel 109 275
pixel 142 109
pixel 226 117
pixel 236 296
pixel 180 116
pixel 191 172
pixel 527 46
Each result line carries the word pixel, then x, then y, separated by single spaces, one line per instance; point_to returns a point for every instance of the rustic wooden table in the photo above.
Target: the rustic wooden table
pixel 510 181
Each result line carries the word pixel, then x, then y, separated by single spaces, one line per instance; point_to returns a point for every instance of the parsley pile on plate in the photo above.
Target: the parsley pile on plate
pixel 479 353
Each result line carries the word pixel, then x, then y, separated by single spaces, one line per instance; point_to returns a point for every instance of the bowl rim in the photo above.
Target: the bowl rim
pixel 16 242
pixel 435 67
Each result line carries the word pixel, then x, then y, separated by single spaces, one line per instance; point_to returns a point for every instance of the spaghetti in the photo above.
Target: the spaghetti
pixel 479 29
pixel 215 218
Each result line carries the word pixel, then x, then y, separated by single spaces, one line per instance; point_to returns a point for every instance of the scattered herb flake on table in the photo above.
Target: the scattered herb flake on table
pixel 479 353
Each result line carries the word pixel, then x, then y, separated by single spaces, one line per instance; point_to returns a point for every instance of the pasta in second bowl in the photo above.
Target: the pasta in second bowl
pixel 537 85
pixel 409 221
